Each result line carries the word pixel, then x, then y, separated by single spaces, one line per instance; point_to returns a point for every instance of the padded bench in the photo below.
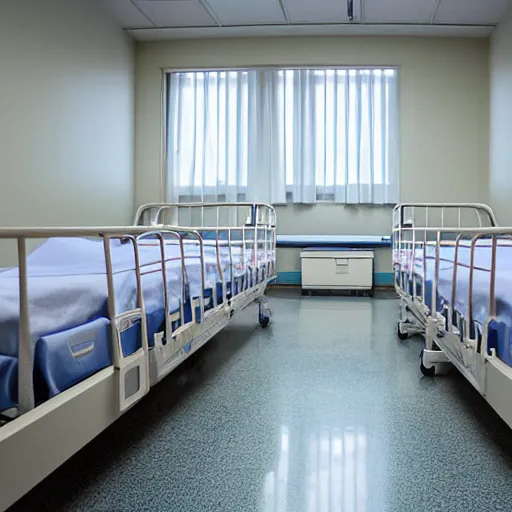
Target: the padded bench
pixel 339 241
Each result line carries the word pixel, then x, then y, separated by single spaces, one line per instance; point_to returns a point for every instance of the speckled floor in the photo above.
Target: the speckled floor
pixel 323 411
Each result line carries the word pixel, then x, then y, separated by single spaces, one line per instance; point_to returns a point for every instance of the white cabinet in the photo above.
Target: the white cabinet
pixel 328 269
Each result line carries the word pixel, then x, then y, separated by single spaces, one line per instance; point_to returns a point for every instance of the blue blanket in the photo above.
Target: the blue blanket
pixel 68 287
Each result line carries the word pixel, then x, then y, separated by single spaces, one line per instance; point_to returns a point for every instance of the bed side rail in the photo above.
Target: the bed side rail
pixel 412 222
pixel 249 239
pixel 135 236
pixel 249 227
pixel 461 262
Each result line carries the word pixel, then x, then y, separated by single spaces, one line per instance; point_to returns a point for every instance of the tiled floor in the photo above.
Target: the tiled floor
pixel 323 411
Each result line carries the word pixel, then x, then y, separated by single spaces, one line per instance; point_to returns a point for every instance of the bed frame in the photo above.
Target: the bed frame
pixel 415 226
pixel 40 438
pixel 450 337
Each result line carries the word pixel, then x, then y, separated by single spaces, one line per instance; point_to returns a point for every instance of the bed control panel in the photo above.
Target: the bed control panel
pixel 332 269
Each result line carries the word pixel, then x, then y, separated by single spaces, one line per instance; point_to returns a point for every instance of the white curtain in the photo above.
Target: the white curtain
pixel 284 135
pixel 208 135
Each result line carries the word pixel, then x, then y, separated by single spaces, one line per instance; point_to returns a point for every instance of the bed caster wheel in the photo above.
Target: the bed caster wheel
pixel 426 372
pixel 264 312
pixel 400 333
pixel 264 321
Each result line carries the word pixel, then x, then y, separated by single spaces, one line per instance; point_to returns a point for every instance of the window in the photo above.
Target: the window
pixel 283 135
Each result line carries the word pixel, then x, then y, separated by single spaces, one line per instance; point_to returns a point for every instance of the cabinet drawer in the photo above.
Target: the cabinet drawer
pixel 337 272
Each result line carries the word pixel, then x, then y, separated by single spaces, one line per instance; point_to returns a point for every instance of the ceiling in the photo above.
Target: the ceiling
pixel 168 19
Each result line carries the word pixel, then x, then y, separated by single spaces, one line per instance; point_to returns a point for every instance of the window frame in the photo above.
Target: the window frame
pixel 165 88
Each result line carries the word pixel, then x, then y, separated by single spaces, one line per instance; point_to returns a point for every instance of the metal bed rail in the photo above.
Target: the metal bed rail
pixel 131 234
pixel 441 214
pixel 470 239
pixel 257 232
pixel 465 270
pixel 106 394
pixel 412 222
pixel 209 214
pixel 247 225
pixel 247 230
pixel 135 235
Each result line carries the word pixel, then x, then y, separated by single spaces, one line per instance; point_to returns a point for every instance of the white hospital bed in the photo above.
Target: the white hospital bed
pixel 94 317
pixel 455 284
pixel 414 226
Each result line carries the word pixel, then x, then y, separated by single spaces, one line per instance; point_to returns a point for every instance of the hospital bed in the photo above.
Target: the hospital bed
pixel 414 226
pixel 457 277
pixel 94 317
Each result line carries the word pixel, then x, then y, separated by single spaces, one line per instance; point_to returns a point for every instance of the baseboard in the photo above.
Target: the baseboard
pixel 383 278
pixel 294 278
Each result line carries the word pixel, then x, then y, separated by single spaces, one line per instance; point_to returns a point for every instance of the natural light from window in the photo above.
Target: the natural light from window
pixel 308 134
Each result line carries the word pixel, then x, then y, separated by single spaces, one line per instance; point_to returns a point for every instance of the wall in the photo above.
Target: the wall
pixel 67 115
pixel 443 102
pixel 500 172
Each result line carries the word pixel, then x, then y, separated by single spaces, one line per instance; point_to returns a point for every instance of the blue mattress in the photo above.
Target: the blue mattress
pixel 500 335
pixel 68 304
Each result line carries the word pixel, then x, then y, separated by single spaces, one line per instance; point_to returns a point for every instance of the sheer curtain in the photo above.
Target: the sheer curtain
pixel 208 136
pixel 283 135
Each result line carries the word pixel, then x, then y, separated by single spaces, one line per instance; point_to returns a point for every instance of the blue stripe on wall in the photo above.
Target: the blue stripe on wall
pixel 383 278
pixel 288 278
pixel 294 278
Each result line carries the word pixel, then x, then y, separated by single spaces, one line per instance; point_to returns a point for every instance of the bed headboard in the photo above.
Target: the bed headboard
pixel 207 215
pixel 443 215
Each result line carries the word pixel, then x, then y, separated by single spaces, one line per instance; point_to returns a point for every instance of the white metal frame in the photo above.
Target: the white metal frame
pixel 414 224
pixel 40 438
pixel 447 342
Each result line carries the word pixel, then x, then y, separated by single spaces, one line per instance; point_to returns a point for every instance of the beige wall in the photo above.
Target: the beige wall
pixel 500 172
pixel 328 219
pixel 67 115
pixel 443 102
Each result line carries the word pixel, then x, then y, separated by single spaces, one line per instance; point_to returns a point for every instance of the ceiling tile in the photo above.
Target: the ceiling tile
pixel 176 13
pixel 320 11
pixel 472 12
pixel 399 11
pixel 247 12
pixel 127 14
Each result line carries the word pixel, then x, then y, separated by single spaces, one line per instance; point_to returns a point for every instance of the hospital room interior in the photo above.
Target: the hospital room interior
pixel 254 255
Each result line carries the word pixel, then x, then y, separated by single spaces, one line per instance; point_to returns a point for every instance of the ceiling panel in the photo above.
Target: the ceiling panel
pixel 475 12
pixel 176 13
pixel 399 11
pixel 127 14
pixel 247 12
pixel 320 11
